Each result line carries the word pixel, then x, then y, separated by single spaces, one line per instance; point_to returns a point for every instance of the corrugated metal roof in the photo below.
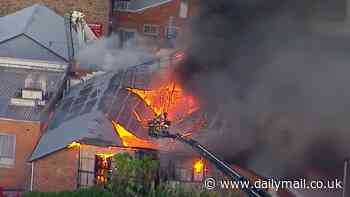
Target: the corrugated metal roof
pixel 85 113
pixel 82 128
pixel 38 23
pixel 139 5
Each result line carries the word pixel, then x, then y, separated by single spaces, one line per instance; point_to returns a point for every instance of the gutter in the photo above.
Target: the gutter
pixel 144 8
pixel 19 120
pixel 32 177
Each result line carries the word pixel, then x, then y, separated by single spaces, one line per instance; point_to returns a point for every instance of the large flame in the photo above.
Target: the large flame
pixel 165 95
pixel 130 140
pixel 198 166
pixel 168 98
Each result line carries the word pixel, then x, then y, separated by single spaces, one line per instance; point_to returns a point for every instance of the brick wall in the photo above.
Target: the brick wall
pixel 59 171
pixel 56 172
pixel 157 15
pixel 27 134
pixel 96 11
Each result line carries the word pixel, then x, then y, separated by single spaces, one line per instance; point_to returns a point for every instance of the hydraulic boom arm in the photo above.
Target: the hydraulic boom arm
pixel 222 166
pixel 158 128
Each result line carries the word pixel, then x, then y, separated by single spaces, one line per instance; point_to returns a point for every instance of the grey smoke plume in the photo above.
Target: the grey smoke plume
pixel 278 91
pixel 106 54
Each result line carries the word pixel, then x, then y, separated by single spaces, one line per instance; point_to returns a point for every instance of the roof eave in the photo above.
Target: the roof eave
pixel 147 7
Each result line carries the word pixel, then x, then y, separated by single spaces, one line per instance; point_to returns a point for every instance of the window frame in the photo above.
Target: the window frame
pixel 184 9
pixel 151 26
pixel 8 162
pixel 125 3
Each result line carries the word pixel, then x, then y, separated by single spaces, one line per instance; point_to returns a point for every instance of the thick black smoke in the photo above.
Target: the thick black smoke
pixel 277 89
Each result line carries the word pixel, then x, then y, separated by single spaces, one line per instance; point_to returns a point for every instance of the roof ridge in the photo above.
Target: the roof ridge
pixel 30 18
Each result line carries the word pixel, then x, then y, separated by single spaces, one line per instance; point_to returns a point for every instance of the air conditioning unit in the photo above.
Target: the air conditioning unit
pixel 28 93
pixel 23 102
pixel 34 92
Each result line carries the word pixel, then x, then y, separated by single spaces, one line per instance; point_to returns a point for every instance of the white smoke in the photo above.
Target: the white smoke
pixel 107 54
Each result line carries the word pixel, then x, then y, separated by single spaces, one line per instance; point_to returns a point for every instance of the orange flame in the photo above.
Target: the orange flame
pixel 74 144
pixel 105 155
pixel 169 98
pixel 198 166
pixel 130 140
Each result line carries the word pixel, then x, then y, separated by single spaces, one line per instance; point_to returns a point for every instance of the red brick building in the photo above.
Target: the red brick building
pixel 21 136
pixel 33 62
pixel 26 95
pixel 154 21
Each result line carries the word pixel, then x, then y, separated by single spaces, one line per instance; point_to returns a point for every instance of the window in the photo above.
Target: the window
pixel 183 174
pixel 198 171
pixel 127 35
pixel 7 150
pixel 183 9
pixel 171 30
pixel 151 29
pixel 121 5
pixel 102 169
pixel 86 171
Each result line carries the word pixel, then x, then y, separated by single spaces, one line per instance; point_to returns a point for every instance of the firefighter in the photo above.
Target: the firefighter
pixel 152 128
pixel 165 122
pixel 159 126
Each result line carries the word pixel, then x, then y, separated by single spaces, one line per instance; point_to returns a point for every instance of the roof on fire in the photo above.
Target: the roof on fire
pixel 35 23
pixel 85 114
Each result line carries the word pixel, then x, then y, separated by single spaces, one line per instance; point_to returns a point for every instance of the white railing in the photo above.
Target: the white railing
pixel 32 64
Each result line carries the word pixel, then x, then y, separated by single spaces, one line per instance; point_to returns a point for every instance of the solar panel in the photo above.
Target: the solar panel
pixel 88 107
pixel 66 103
pixel 75 110
pixel 81 99
pixel 104 101
pixel 85 91
pixel 114 82
pixel 94 94
pixel 90 84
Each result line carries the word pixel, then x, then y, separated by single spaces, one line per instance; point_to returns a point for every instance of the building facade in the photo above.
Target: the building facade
pixel 154 22
pixel 33 63
pixel 27 91
pixel 17 140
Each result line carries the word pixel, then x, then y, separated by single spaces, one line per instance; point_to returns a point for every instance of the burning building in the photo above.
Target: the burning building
pixel 109 114
pixel 93 119
pixel 105 115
